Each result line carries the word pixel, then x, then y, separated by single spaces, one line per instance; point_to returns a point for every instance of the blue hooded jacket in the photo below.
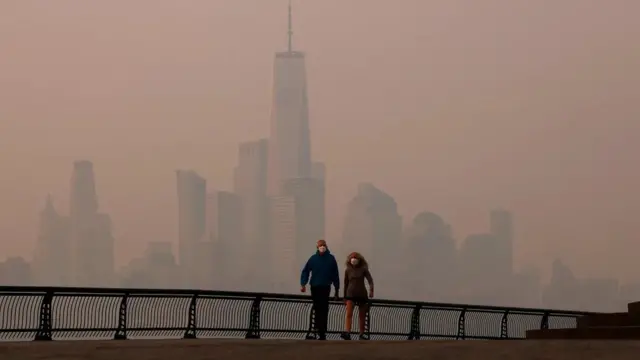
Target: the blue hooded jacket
pixel 323 269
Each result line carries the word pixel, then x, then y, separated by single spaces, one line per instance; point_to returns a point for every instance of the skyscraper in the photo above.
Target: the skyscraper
pixel 221 246
pixel 481 276
pixel 250 184
pixel 295 185
pixel 51 265
pixel 91 238
pixel 84 199
pixel 319 171
pixel 289 141
pixel 431 256
pixel 192 189
pixel 297 221
pixel 501 227
pixel 373 227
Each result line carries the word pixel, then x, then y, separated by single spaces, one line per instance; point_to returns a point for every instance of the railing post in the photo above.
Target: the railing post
pixel 190 333
pixel 414 330
pixel 367 321
pixel 461 325
pixel 504 325
pixel 254 319
pixel 311 332
pixel 121 332
pixel 544 323
pixel 44 329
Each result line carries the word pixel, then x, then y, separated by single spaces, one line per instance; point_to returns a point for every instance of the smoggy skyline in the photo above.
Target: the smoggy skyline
pixel 455 107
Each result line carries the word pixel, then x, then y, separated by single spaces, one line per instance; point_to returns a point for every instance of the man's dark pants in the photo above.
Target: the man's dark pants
pixel 320 297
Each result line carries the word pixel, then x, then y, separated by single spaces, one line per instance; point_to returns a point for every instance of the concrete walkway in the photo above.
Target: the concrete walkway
pixel 316 350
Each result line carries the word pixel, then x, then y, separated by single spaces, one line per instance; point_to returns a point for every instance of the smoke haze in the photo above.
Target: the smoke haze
pixel 455 107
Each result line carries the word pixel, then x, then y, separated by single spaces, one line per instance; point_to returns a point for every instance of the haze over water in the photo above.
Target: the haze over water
pixel 451 106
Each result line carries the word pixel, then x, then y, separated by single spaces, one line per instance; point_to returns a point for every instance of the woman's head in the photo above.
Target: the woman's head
pixel 355 259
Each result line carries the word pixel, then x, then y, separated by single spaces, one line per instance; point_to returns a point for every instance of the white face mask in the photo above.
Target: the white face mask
pixel 354 261
pixel 322 248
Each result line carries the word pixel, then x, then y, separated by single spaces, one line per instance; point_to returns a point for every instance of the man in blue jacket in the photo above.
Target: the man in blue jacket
pixel 324 271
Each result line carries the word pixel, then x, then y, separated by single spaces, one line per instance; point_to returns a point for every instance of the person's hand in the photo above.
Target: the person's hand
pixel 370 293
pixel 303 289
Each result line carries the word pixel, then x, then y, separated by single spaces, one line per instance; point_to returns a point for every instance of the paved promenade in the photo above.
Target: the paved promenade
pixel 316 350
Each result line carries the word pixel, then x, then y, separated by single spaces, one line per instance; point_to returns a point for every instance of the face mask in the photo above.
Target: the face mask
pixel 322 248
pixel 354 261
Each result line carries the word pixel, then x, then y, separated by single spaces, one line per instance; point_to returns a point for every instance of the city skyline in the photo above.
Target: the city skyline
pixel 435 269
pixel 465 174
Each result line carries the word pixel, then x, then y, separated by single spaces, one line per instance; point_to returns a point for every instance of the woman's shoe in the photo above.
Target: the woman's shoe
pixel 345 336
pixel 363 337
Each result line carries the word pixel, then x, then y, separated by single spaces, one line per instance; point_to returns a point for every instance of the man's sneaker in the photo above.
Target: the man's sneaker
pixel 345 336
pixel 363 337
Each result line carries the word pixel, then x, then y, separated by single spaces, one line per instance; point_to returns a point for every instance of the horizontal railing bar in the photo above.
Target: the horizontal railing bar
pixel 185 292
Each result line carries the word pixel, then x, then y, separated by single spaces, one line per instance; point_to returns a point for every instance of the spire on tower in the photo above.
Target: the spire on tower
pixel 290 31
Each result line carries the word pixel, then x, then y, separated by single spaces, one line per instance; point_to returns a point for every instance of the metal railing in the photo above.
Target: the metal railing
pixel 60 313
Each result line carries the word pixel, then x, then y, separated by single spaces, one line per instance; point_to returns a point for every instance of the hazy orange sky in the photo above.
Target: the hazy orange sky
pixel 449 105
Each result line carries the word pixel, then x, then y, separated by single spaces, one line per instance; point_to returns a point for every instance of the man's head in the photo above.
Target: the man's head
pixel 321 245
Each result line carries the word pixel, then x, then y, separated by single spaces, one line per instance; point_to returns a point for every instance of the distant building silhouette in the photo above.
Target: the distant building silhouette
pixel 290 139
pixel 51 265
pixel 157 268
pixel 192 189
pixel 297 221
pixel 562 289
pixel 501 227
pixel 431 255
pixel 91 238
pixel 525 289
pixel 15 271
pixel 481 274
pixel 319 171
pixel 373 227
pixel 295 185
pixel 222 251
pixel 250 184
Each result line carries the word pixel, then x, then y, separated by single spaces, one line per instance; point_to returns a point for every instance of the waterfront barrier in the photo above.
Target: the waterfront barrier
pixel 66 313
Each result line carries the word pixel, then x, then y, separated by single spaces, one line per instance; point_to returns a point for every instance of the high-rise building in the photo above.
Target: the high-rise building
pixel 84 198
pixel 250 184
pixel 481 276
pixel 282 258
pixel 51 266
pixel 501 227
pixel 221 247
pixel 15 271
pixel 91 238
pixel 430 253
pixel 192 189
pixel 319 171
pixel 297 220
pixel 157 268
pixel 289 141
pixel 373 227
pixel 295 186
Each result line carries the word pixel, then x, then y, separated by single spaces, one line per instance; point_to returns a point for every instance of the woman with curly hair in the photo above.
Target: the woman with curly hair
pixel 355 292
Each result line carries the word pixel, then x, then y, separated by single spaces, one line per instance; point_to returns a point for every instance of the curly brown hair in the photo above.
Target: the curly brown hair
pixel 357 255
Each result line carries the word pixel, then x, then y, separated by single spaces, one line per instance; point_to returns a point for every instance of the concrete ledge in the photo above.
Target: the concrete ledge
pixel 634 308
pixel 608 319
pixel 319 350
pixel 592 333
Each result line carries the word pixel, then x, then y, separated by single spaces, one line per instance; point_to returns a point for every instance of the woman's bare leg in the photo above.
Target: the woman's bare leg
pixel 349 318
pixel 362 318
